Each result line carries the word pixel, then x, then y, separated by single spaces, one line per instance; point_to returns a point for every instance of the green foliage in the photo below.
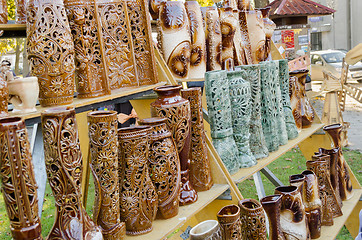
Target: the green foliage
pixel 205 3
pixel 11 9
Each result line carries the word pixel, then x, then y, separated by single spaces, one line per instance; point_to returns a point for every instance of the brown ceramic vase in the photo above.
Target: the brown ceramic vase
pixel 298 181
pixel 4 96
pixel 229 220
pixel 228 25
pixel 271 205
pixel 20 15
pixel 64 165
pixel 18 184
pixel 213 39
pixel 154 7
pixel 295 101
pixel 200 171
pixel 176 109
pixel 252 219
pixel 103 145
pixel 3 12
pixel 138 197
pixel 345 184
pixel 164 166
pixel 269 27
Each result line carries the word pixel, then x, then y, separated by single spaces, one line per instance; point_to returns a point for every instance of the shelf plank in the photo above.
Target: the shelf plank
pixel 245 173
pixel 13 27
pixel 162 228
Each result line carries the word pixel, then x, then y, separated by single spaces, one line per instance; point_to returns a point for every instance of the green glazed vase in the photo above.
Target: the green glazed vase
pixel 251 73
pixel 219 110
pixel 240 98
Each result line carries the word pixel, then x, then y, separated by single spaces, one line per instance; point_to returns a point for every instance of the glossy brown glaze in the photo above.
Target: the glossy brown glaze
pixel 298 181
pixel 252 219
pixel 245 39
pixel 213 39
pixel 138 197
pixel 4 96
pixel 176 109
pixel 18 184
pixel 345 184
pixel 154 7
pixel 103 145
pixel 50 51
pixel 271 205
pixel 243 5
pixel 229 220
pixel 164 167
pixel 269 27
pixel 228 25
pixel 200 170
pixel 255 27
pixel 64 165
pixel 3 12
pixel 295 101
pixel 20 15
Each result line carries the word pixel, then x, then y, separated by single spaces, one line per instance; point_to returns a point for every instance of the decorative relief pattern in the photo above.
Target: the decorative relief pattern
pixel 271 205
pixel 229 220
pixel 213 40
pixel 3 12
pixel 255 28
pixel 4 96
pixel 51 51
pixel 295 101
pixel 18 181
pixel 245 40
pixel 20 15
pixel 228 25
pixel 252 219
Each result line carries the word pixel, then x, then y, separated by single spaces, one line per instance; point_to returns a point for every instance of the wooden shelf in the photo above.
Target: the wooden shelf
pixel 245 173
pixel 13 27
pixel 162 228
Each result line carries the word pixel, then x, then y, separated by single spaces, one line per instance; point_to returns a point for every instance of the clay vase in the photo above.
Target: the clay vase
pixel 164 167
pixel 229 220
pixel 206 230
pixel 269 27
pixel 213 39
pixel 307 111
pixel 255 27
pixel 228 25
pixel 64 165
pixel 198 48
pixel 89 66
pixel 154 8
pixel 298 181
pixel 219 110
pixel 24 94
pixel 284 90
pixel 20 15
pixel 243 4
pixel 245 40
pixel 138 197
pixel 176 109
pixel 200 171
pixel 240 96
pixel 345 184
pixel 50 51
pixel 18 184
pixel 103 145
pixel 295 101
pixel 292 215
pixel 174 38
pixel 239 54
pixel 251 73
pixel 271 205
pixel 3 12
pixel 312 204
pixel 252 219
pixel 4 96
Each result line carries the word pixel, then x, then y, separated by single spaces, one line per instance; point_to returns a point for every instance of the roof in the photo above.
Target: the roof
pixel 298 8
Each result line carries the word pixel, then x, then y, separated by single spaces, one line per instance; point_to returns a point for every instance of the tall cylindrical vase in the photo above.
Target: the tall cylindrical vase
pixel 219 109
pixel 213 39
pixel 269 27
pixel 255 28
pixel 200 171
pixel 4 96
pixel 18 180
pixel 240 96
pixel 272 205
pixel 295 101
pixel 251 73
pixel 3 12
pixel 138 197
pixel 229 220
pixel 64 165
pixel 252 219
pixel 228 25
pixel 20 15
pixel 345 184
pixel 164 166
pixel 176 109
pixel 103 145
pixel 50 51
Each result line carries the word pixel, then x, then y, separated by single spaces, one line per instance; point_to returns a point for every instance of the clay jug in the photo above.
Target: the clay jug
pixel 103 148
pixel 206 230
pixel 164 166
pixel 271 205
pixel 213 39
pixel 64 165
pixel 200 171
pixel 345 184
pixel 252 219
pixel 138 197
pixel 176 109
pixel 18 184
pixel 229 220
pixel 4 96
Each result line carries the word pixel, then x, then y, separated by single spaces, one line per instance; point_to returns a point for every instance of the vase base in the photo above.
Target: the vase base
pixel 188 195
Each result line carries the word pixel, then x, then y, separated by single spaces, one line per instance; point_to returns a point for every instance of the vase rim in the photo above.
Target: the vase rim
pixel 245 204
pixel 286 189
pixel 308 172
pixel 296 178
pixel 329 151
pixel 299 71
pixel 152 120
pixel 10 121
pixel 101 113
pixel 192 89
pixel 332 127
pixel 58 110
pixel 205 227
pixel 167 88
pixel 270 199
pixel 234 208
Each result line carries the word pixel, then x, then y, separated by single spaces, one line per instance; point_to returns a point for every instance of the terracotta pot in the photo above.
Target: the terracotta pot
pixel 228 25
pixel 4 96
pixel 206 230
pixel 89 65
pixel 229 220
pixel 3 12
pixel 200 171
pixel 269 27
pixel 176 109
pixel 252 219
pixel 64 165
pixel 50 51
pixel 213 39
pixel 345 184
pixel 20 15
pixel 103 145
pixel 138 197
pixel 271 205
pixel 174 38
pixel 154 7
pixel 312 203
pixel 18 180
pixel 164 166
pixel 292 215
pixel 24 94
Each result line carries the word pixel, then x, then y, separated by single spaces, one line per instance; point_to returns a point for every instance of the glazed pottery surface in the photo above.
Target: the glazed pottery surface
pixel 269 27
pixel 255 27
pixel 295 101
pixel 154 8
pixel 3 12
pixel 24 94
pixel 252 219
pixel 18 184
pixel 4 96
pixel 213 39
pixel 245 40
pixel 206 230
pixel 228 25
pixel 229 220
pixel 20 15
pixel 271 205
